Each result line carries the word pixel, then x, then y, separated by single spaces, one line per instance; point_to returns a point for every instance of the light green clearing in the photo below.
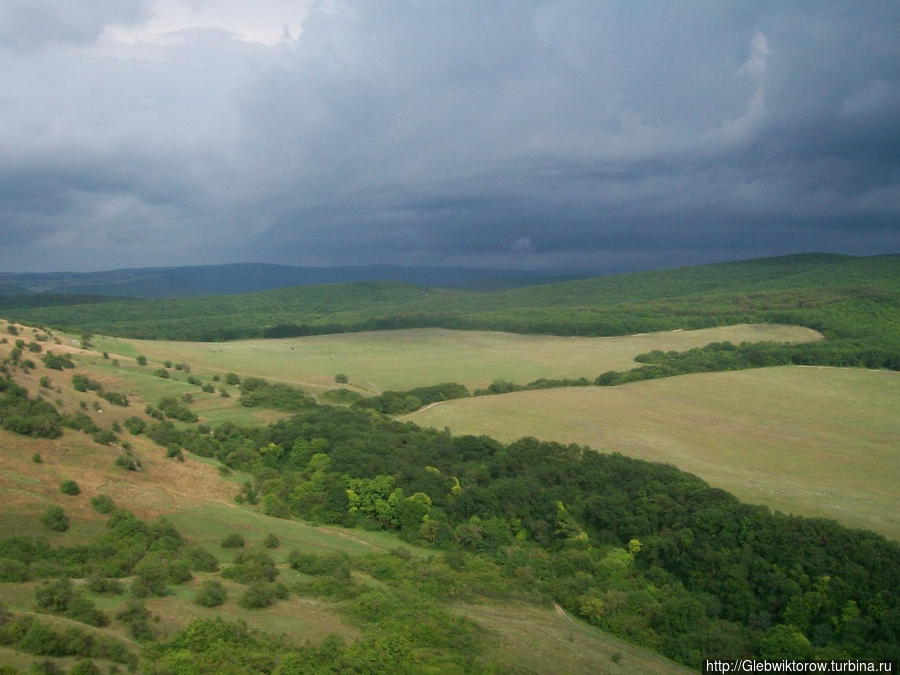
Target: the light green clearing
pixel 403 359
pixel 806 440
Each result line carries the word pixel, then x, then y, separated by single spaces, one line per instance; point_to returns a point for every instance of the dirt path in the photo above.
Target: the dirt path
pixel 420 410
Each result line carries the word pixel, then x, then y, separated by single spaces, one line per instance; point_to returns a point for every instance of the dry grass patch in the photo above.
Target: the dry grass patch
pixel 163 486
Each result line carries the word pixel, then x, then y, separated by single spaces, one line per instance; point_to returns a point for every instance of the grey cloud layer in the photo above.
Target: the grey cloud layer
pixel 551 133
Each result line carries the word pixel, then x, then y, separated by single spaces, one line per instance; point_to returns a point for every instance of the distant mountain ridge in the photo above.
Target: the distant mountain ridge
pixel 238 278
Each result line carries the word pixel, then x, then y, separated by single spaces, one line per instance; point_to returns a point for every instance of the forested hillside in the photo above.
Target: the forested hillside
pixel 854 302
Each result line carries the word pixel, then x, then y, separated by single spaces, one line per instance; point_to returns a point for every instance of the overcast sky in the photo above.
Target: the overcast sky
pixel 595 135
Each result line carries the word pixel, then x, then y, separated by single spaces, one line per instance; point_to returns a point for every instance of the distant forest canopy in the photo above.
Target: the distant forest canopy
pixel 854 302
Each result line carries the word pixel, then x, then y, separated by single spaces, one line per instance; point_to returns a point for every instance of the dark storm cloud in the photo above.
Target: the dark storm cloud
pixel 520 134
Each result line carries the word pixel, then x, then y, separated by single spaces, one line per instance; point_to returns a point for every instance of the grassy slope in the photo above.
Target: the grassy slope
pixel 812 441
pixel 404 359
pixel 198 500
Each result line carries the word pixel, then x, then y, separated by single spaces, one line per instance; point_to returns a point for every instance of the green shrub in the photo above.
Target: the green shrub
pixel 97 583
pixel 233 540
pixel 200 559
pixel 258 596
pixel 36 458
pixel 104 437
pixel 14 571
pixel 211 594
pixel 135 425
pixel 69 487
pixel 128 462
pixel 57 362
pixel 55 519
pixel 102 504
pixel 271 541
pixel 250 567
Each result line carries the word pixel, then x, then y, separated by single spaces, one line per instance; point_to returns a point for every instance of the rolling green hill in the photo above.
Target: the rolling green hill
pixel 854 302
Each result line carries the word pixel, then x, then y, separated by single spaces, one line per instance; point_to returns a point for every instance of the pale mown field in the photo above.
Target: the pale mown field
pixel 403 359
pixel 811 441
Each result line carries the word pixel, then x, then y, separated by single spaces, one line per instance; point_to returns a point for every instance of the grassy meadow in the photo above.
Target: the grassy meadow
pixel 402 359
pixel 811 441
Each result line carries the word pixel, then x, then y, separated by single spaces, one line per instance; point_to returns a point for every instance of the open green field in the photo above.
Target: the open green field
pixel 403 359
pixel 810 441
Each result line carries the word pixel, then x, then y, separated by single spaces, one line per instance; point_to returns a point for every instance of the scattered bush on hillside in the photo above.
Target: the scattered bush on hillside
pixel 69 487
pixel 199 559
pixel 211 594
pixel 57 361
pixel 26 416
pixel 55 519
pixel 103 504
pixel 251 566
pixel 84 383
pixel 260 595
pixel 128 462
pixel 97 583
pixel 233 540
pixel 174 409
pixel 81 422
pixel 135 425
pixel 141 360
pixel 13 571
pixel 115 398
pixel 162 372
pixel 105 437
pixel 232 378
pixel 271 541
